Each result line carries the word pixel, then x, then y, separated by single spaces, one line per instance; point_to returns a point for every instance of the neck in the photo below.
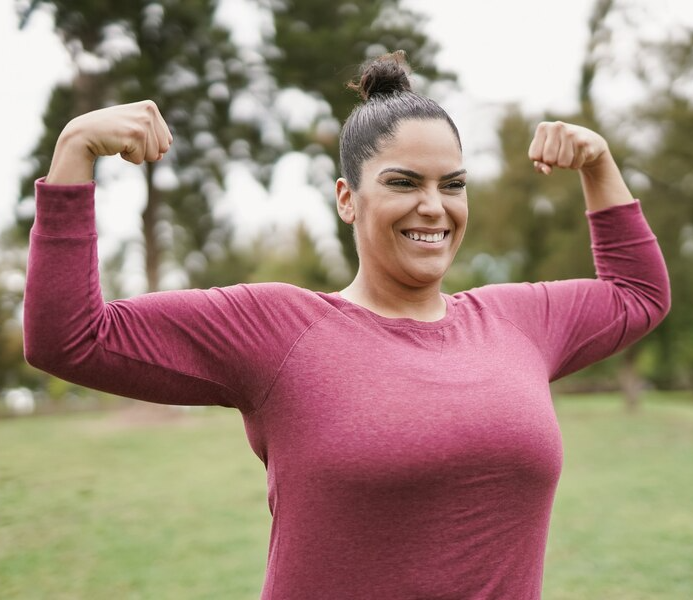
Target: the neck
pixel 419 303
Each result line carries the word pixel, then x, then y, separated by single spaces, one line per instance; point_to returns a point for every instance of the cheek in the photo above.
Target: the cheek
pixel 465 217
pixel 460 217
pixel 459 213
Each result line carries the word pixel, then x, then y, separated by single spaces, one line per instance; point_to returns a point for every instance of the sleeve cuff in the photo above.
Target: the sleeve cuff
pixel 65 210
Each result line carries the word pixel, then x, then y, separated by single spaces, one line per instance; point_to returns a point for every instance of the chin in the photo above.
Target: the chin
pixel 427 277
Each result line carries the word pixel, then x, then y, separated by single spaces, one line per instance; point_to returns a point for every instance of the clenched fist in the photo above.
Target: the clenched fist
pixel 569 146
pixel 565 146
pixel 136 131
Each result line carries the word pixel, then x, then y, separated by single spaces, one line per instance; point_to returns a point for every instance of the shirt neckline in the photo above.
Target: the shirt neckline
pixel 353 308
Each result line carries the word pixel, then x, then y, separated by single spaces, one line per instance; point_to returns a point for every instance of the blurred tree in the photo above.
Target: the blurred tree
pixel 170 52
pixel 13 370
pixel 665 184
pixel 295 261
pixel 318 47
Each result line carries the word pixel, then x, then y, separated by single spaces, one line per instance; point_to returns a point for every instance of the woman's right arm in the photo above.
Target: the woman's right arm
pixel 136 131
pixel 218 346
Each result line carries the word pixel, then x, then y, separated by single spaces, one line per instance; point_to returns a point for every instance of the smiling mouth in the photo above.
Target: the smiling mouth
pixel 431 238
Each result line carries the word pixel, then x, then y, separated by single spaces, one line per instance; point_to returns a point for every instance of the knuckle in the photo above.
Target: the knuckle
pixel 137 132
pixel 135 135
pixel 149 105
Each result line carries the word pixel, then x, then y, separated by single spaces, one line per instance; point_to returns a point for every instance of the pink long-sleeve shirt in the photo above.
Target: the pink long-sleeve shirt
pixel 405 459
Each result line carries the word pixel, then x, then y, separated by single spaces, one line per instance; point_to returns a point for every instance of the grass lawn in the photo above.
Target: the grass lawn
pixel 622 526
pixel 106 506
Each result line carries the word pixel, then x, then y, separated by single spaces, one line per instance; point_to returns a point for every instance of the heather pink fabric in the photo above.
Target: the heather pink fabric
pixel 405 460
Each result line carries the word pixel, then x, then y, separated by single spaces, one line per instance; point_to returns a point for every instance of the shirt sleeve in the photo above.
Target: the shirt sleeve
pixel 575 323
pixel 220 346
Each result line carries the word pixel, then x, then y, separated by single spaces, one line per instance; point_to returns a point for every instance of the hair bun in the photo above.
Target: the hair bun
pixel 385 75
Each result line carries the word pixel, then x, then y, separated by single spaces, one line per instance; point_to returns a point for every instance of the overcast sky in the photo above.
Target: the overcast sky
pixel 504 51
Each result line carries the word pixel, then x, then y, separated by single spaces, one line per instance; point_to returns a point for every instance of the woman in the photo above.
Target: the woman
pixel 409 437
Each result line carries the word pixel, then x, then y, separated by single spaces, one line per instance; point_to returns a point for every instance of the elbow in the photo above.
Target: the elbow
pixel 38 355
pixel 659 307
pixel 664 304
pixel 43 352
pixel 52 361
pixel 38 343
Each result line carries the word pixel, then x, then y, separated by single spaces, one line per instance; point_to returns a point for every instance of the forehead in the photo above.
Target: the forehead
pixel 420 145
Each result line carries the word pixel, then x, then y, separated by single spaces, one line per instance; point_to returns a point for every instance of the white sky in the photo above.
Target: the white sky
pixel 504 51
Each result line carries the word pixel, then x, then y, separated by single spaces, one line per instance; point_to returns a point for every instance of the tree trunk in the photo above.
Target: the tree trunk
pixel 630 381
pixel 152 252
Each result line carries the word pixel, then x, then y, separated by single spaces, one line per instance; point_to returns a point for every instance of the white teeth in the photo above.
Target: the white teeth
pixel 426 237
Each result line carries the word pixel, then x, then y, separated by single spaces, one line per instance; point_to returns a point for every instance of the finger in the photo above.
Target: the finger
pixel 578 158
pixel 163 133
pixel 157 141
pixel 153 149
pixel 541 167
pixel 537 144
pixel 566 152
pixel 552 145
pixel 135 144
pixel 134 153
pixel 163 136
pixel 162 127
pixel 168 136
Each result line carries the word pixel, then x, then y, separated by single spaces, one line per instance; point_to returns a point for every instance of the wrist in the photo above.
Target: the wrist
pixel 73 161
pixel 602 166
pixel 603 184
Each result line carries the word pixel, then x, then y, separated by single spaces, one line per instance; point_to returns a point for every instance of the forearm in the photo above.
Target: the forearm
pixel 627 255
pixel 73 161
pixel 603 185
pixel 135 131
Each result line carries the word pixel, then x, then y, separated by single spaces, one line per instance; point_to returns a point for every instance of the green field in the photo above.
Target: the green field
pixel 130 505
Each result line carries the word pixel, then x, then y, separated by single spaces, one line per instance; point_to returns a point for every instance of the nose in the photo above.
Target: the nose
pixel 431 204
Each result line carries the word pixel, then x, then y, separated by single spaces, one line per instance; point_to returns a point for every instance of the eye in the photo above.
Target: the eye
pixel 457 184
pixel 404 183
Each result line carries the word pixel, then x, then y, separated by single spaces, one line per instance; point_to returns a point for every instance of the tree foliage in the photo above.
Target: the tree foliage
pixel 173 53
pixel 318 47
pixel 665 186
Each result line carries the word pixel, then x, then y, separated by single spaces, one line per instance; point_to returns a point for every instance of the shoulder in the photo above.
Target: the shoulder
pixel 538 308
pixel 494 296
pixel 526 301
pixel 499 294
pixel 280 298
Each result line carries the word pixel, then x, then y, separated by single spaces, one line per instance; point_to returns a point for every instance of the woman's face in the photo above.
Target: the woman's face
pixel 410 211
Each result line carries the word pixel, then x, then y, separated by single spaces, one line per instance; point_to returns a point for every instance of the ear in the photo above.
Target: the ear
pixel 345 201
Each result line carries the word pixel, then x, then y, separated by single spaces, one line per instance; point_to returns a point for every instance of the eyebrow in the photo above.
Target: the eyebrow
pixel 418 176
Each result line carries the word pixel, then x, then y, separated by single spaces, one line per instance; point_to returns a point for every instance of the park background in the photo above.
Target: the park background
pixel 101 498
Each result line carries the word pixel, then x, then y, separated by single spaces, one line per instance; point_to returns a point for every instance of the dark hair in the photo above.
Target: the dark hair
pixel 388 99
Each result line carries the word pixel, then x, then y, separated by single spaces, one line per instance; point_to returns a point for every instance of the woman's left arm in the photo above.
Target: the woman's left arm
pixel 569 146
pixel 577 322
